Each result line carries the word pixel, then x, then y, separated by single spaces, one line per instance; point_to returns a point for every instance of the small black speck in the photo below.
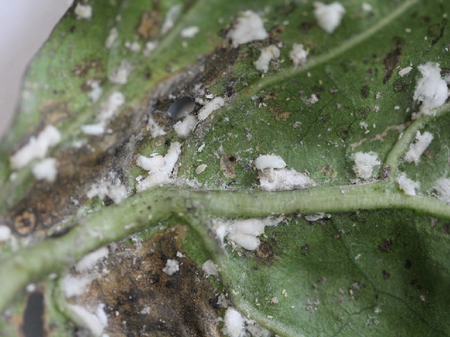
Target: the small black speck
pixel 408 264
pixel 72 29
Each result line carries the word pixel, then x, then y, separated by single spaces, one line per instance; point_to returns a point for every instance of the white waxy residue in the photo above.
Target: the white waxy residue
pixel 248 27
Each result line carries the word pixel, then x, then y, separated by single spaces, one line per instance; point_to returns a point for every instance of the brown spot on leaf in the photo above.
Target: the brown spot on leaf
pixel 386 245
pixel 306 26
pixel 52 112
pixel 386 275
pixel 227 165
pixel 408 264
pixel 364 112
pixel 401 85
pixel 149 25
pixel 275 33
pixel 278 113
pixel 265 253
pixel 82 69
pixel 138 292
pixel 25 222
pixel 325 170
pixel 392 59
pixel 436 31
pixel 365 91
pixel 107 157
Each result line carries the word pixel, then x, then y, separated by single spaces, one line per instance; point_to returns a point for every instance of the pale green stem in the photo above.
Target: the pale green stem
pixel 115 222
pixel 54 255
pixel 400 147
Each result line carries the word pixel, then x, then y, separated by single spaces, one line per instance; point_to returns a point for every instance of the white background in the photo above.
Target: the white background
pixel 24 26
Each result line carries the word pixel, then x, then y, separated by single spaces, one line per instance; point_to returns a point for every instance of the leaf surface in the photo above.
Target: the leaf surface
pixel 378 270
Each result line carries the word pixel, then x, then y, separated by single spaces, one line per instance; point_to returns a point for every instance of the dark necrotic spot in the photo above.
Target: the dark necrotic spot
pixel 265 253
pixel 386 172
pixel 386 245
pixel 365 91
pixel 33 325
pixel 181 107
pixel 400 85
pixel 408 264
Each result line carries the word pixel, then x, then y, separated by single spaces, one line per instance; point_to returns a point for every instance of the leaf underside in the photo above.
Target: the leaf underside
pixel 371 272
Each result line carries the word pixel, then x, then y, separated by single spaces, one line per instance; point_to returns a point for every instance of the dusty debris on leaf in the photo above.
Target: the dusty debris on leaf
pixel 36 148
pixel 109 108
pixel 121 73
pixel 267 54
pixel 364 164
pixel 184 128
pixel 189 32
pixel 407 185
pixel 329 16
pixel 83 11
pixel 46 170
pixel 210 268
pixel 105 188
pixel 209 107
pixel 442 187
pixel 311 100
pixel 274 177
pixel 418 148
pixel 431 89
pixel 405 71
pixel 244 232
pixel 317 216
pixel 113 34
pixel 159 168
pixel 171 16
pixel 234 323
pixel 298 55
pixel 171 267
pixel 131 287
pixel 248 27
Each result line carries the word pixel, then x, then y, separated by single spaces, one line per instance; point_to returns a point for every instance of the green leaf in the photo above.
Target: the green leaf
pixel 375 265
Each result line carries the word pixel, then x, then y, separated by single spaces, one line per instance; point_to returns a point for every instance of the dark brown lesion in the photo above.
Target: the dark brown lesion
pixel 265 253
pixel 89 66
pixel 138 292
pixel 106 157
pixel 228 165
pixel 392 59
pixel 25 221
pixel 386 245
pixel 149 25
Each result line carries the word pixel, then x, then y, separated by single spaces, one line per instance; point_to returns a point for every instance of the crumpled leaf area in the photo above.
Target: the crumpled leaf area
pixel 368 272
